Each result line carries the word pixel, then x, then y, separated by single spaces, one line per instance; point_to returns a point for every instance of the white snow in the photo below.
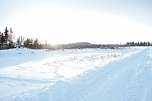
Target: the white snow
pixel 76 75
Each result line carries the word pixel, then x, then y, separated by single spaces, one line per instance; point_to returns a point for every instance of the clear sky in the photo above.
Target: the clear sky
pixel 68 21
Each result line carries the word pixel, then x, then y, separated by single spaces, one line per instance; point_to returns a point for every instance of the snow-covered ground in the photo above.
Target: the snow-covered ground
pixel 76 75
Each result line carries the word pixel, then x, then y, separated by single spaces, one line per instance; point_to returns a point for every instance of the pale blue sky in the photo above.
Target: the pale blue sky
pixel 138 12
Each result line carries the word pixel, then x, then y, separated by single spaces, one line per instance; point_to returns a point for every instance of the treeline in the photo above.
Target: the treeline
pixel 28 43
pixel 82 45
pixel 138 44
pixel 7 40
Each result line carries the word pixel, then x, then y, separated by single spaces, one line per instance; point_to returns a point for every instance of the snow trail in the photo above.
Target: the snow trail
pixel 127 79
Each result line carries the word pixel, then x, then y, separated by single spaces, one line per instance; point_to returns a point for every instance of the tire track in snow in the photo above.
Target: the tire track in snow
pixel 97 85
pixel 106 91
pixel 145 93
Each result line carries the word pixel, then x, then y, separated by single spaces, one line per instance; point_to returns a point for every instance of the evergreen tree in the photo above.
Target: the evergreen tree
pixel 28 43
pixel 6 34
pixel 10 38
pixel 20 41
pixel 36 44
pixel 2 40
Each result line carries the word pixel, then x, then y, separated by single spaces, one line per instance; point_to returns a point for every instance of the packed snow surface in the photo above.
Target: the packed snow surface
pixel 76 75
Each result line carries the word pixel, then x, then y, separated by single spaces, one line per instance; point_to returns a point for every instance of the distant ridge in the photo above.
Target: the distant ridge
pixel 82 45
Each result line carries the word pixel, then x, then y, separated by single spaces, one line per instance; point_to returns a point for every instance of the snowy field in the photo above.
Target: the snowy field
pixel 76 75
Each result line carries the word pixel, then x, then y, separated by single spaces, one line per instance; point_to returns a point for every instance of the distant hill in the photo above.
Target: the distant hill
pixel 82 45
